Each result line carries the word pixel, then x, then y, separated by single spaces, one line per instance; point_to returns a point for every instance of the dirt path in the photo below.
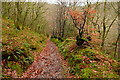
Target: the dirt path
pixel 47 65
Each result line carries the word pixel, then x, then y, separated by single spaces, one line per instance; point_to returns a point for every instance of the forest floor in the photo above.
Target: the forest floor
pixel 48 64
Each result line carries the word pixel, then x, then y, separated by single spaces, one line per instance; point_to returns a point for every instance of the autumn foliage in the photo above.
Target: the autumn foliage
pixel 81 21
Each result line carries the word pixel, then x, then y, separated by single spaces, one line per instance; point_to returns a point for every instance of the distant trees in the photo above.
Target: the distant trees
pixel 106 28
pixel 64 27
pixel 60 19
pixel 105 22
pixel 26 14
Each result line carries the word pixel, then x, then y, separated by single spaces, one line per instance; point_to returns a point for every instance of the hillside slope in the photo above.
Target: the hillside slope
pixel 87 62
pixel 19 48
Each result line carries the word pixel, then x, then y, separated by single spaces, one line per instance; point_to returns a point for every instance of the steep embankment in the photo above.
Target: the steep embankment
pixel 18 47
pixel 87 62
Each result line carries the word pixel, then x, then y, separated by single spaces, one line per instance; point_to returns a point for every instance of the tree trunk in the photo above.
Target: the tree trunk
pixel 63 29
pixel 119 30
pixel 116 45
pixel 104 27
pixel 17 16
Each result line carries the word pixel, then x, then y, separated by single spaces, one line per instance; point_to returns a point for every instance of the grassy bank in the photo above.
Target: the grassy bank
pixel 87 62
pixel 19 47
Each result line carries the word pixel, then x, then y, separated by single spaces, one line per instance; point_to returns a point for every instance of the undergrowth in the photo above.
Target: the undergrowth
pixel 18 47
pixel 87 62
